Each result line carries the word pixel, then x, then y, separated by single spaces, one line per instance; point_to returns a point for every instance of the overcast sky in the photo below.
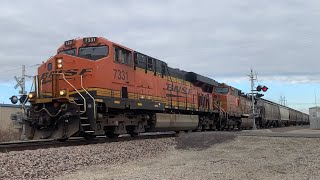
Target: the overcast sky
pixel 220 39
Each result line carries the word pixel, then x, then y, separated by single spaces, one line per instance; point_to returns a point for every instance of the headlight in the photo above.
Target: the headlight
pixel 59 66
pixel 63 92
pixel 59 61
pixel 30 96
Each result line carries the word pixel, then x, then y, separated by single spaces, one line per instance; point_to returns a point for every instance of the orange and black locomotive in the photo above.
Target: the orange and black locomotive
pixel 93 86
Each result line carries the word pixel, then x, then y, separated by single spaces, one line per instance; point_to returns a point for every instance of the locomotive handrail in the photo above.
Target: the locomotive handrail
pixel 36 84
pixel 51 115
pixel 94 101
pixel 84 100
pixel 41 83
pixel 23 105
pixel 219 108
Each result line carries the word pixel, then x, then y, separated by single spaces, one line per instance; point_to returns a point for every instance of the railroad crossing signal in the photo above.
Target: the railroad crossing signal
pixel 263 88
pixel 19 82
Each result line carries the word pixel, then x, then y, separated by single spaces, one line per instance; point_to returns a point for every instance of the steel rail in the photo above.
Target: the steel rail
pixel 77 141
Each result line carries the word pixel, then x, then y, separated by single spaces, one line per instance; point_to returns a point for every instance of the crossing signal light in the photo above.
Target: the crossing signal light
pixel 264 88
pixel 23 99
pixel 14 99
pixel 259 88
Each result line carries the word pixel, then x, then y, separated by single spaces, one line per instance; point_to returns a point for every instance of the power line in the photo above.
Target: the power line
pixel 15 69
pixel 300 103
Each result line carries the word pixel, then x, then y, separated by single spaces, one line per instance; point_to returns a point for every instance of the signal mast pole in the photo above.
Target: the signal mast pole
pixel 21 82
pixel 252 79
pixel 23 92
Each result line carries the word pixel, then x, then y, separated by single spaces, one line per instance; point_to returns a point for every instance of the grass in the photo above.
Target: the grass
pixel 9 135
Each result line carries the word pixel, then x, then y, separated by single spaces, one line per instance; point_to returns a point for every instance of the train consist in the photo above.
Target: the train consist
pixel 93 86
pixel 275 115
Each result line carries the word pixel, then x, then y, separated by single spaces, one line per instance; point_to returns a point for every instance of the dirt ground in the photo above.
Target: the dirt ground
pixel 213 155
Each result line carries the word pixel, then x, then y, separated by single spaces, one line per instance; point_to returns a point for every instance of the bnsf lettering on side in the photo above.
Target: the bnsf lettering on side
pixel 70 72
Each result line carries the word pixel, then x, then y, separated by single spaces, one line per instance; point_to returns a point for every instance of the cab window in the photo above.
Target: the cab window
pixel 68 51
pixel 94 52
pixel 140 60
pixel 122 55
pixel 221 90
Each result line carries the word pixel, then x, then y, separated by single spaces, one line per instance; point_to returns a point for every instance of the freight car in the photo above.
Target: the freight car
pixel 93 86
pixel 271 114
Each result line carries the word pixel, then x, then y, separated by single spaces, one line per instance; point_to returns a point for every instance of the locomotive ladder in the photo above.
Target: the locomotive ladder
pixel 221 112
pixel 85 124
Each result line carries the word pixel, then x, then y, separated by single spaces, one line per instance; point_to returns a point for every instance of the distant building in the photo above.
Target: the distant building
pixel 9 130
pixel 314 116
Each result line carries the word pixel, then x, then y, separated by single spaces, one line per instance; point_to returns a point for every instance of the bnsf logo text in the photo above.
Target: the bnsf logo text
pixel 69 72
pixel 178 89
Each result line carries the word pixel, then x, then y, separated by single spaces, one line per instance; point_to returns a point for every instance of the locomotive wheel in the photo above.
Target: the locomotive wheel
pixel 133 134
pixel 131 131
pixel 62 139
pixel 89 136
pixel 111 135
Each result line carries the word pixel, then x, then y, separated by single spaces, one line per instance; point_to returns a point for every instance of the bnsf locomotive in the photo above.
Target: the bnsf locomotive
pixel 93 86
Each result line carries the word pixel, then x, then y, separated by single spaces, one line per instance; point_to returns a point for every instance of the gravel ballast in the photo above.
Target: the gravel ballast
pixel 48 163
pixel 272 158
pixel 202 140
pixel 201 155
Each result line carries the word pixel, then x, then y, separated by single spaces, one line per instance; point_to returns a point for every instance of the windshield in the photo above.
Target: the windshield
pixel 94 52
pixel 68 51
pixel 221 90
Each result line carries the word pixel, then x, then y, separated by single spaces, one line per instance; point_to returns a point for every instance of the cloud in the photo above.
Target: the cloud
pixel 279 39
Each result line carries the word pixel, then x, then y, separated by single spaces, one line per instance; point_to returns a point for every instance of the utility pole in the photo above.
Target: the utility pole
pixel 280 101
pixel 23 89
pixel 252 79
pixel 315 97
pixel 283 101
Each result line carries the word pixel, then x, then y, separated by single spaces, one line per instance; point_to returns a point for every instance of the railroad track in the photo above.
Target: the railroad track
pixel 51 143
pixel 77 141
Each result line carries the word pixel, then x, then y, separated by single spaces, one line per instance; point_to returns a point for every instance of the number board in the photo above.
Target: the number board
pixel 89 40
pixel 121 75
pixel 68 43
